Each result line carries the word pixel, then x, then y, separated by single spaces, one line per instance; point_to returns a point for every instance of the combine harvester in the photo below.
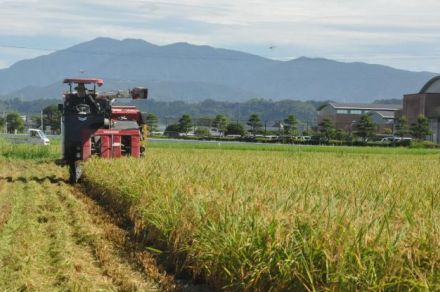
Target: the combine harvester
pixel 92 125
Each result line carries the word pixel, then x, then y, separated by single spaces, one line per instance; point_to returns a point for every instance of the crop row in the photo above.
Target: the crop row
pixel 257 220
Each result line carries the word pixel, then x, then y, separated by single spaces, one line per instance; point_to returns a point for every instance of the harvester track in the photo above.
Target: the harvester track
pixel 54 237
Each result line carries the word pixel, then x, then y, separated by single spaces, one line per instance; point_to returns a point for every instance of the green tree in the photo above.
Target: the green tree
pixel 36 121
pixel 172 130
pixel 52 118
pixel 365 127
pixel 255 123
pixel 387 131
pixel 14 122
pixel 204 122
pixel 185 123
pixel 290 125
pixel 220 122
pixel 307 132
pixel 235 129
pixel 402 127
pixel 2 124
pixel 151 120
pixel 341 135
pixel 326 128
pixel 202 132
pixel 420 129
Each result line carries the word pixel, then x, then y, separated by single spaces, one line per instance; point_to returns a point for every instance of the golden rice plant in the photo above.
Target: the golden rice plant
pixel 253 220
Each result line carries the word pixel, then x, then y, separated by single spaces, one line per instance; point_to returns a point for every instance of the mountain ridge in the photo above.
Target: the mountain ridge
pixel 182 71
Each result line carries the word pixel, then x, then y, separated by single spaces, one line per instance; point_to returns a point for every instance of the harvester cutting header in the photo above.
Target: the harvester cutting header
pixel 92 125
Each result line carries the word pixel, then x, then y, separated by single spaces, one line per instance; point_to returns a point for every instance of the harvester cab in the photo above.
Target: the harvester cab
pixel 92 125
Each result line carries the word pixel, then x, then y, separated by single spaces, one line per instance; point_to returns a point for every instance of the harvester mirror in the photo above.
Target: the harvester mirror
pixel 139 93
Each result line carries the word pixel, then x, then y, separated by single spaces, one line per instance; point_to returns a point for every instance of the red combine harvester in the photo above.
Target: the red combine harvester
pixel 91 125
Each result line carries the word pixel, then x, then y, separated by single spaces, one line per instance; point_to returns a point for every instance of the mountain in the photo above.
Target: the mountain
pixel 187 72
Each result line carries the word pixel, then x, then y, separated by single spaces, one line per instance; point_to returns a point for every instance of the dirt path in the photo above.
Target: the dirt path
pixel 53 238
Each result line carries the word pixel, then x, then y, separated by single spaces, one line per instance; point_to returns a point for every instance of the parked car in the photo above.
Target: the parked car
pixel 303 138
pixel 34 136
pixel 395 139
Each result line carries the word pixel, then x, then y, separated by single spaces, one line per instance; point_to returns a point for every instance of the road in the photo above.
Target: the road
pixel 171 140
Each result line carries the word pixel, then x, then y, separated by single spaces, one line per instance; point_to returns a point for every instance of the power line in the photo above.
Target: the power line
pixel 152 55
pixel 27 48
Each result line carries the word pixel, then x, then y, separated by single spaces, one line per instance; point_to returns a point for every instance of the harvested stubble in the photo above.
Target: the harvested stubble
pixel 52 238
pixel 272 220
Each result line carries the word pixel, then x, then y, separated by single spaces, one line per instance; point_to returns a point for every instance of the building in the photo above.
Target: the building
pixel 427 103
pixel 345 115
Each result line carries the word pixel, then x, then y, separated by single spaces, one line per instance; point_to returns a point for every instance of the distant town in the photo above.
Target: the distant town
pixel 386 122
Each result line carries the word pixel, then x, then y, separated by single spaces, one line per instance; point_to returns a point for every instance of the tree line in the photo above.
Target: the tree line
pixel 365 128
pixel 13 122
pixel 224 125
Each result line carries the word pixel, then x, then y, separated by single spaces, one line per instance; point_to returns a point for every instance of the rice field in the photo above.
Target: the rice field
pixel 30 151
pixel 258 217
pixel 284 220
pixel 55 238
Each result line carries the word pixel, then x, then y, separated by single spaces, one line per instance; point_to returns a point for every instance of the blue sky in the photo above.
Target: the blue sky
pixel 403 34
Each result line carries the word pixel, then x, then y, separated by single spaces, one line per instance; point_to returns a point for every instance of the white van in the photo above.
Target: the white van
pixel 395 139
pixel 38 137
pixel 34 136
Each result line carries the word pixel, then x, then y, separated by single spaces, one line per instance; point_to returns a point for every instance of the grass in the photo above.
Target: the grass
pixel 53 151
pixel 305 218
pixel 291 148
pixel 30 151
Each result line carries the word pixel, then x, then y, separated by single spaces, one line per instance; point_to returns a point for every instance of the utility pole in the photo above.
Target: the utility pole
pixel 6 123
pixel 42 125
pixel 5 116
pixel 238 113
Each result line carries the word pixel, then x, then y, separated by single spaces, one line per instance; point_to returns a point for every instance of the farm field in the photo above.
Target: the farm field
pixel 292 148
pixel 237 217
pixel 298 218
pixel 54 238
